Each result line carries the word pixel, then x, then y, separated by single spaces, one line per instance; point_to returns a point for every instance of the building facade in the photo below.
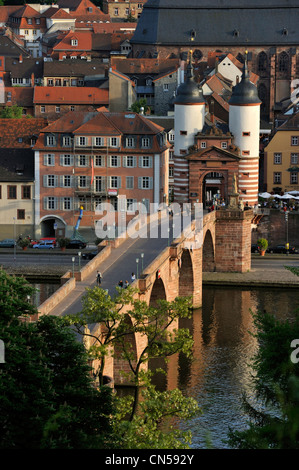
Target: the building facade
pixel 281 158
pixel 88 159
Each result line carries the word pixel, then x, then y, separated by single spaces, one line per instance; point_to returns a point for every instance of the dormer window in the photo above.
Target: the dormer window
pixel 74 42
pixel 29 20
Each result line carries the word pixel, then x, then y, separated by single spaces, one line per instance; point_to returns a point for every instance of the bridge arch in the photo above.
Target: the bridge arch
pixel 208 253
pixel 158 292
pixel 186 278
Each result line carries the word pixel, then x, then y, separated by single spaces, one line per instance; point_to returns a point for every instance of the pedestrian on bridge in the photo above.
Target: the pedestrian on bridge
pixel 133 277
pixel 120 284
pixel 99 278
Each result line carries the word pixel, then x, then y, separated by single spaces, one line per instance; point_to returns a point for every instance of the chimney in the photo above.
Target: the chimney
pixel 32 79
pixel 212 116
pixel 20 58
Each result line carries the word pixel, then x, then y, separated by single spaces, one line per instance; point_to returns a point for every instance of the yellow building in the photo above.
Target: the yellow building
pixel 281 162
pixel 119 10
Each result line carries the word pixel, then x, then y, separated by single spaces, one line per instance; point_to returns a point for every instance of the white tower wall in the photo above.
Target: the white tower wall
pixel 189 119
pixel 244 124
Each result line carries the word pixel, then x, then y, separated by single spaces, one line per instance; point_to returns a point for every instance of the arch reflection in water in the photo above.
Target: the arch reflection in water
pixel 219 372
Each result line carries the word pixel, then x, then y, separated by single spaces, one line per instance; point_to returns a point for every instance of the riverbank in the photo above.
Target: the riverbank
pixel 279 278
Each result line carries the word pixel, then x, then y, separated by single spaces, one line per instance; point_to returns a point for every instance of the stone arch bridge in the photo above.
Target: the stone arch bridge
pixel 224 246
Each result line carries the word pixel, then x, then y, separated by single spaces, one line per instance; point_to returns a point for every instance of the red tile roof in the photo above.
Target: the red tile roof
pixel 84 39
pixel 13 129
pixel 113 27
pixel 26 11
pixel 71 95
pixel 6 11
pixel 20 96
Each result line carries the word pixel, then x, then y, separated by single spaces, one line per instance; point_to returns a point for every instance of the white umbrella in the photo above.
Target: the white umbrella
pixel 293 192
pixel 287 196
pixel 265 195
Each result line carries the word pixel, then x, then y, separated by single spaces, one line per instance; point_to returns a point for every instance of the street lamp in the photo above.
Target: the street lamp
pixel 79 254
pixel 142 256
pixel 73 261
pixel 287 227
pixel 137 261
pixel 14 236
pixel 168 236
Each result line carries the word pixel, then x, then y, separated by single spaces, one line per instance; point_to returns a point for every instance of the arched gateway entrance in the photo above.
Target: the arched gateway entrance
pixel 52 226
pixel 213 188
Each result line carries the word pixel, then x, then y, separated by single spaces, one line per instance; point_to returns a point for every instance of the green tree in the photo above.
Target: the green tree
pixel 163 339
pixel 12 112
pixel 48 398
pixel 141 103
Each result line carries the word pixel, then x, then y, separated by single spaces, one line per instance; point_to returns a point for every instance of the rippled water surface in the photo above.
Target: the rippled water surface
pixel 219 372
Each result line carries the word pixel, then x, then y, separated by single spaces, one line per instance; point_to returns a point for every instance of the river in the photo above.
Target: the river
pixel 220 370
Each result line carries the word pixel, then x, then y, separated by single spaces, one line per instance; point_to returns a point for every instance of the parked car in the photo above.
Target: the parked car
pixel 76 244
pixel 254 248
pixel 90 254
pixel 7 243
pixel 45 244
pixel 282 249
pixel 48 239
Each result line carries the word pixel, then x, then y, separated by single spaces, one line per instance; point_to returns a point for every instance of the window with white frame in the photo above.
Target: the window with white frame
pixel 114 161
pixel 115 182
pixel 51 141
pixel 115 11
pixel 224 145
pixel 82 181
pixel 114 142
pixel 277 159
pixel 129 161
pixel 82 160
pixel 66 160
pixel 294 177
pixel 43 109
pixel 74 42
pixel 171 153
pixel 67 181
pixel 203 145
pixel 145 161
pixel 165 87
pixel 82 141
pixel 130 142
pixel 67 203
pixel 99 160
pixel 51 181
pixel 277 178
pixel 49 159
pixel 294 158
pixel 50 203
pixel 99 141
pixel 99 183
pixel 145 182
pixel 170 172
pixel 294 140
pixel 57 109
pixel 66 141
pixel 145 142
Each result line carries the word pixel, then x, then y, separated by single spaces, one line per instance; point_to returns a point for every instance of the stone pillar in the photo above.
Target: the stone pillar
pixel 233 241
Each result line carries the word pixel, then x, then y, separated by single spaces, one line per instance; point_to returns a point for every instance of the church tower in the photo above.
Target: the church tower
pixel 189 118
pixel 244 124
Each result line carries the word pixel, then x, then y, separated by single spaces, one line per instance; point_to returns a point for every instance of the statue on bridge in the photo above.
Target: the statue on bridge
pixel 234 195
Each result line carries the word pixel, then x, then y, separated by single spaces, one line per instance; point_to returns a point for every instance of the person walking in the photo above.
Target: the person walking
pixel 120 284
pixel 133 277
pixel 99 278
pixel 126 284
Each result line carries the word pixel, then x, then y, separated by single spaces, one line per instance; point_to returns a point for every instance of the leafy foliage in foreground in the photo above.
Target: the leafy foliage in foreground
pixel 276 426
pixel 47 396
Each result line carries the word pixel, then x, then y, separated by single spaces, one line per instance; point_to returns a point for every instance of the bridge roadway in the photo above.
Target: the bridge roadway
pixel 119 266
